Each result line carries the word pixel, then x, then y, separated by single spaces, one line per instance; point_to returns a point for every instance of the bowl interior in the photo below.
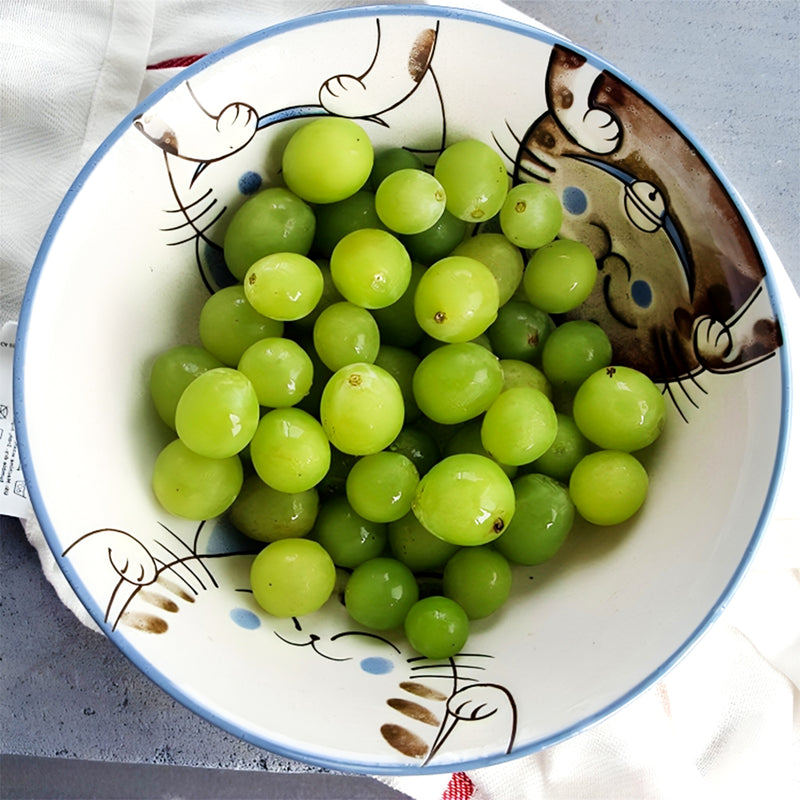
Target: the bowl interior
pixel 683 291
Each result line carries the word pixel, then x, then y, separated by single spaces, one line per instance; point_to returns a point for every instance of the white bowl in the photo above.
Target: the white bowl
pixel 130 257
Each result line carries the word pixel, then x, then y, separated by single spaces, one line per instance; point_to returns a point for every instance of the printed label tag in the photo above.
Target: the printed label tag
pixel 14 501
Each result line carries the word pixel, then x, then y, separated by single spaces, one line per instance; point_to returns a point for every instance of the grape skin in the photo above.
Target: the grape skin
pixel 292 577
pixel 466 499
pixel 361 409
pixel 456 299
pixel 194 486
pixel 608 487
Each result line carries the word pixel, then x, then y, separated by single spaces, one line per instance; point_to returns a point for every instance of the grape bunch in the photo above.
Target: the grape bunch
pixel 388 391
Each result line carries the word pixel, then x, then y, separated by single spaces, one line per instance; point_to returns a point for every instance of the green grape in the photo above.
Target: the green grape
pixel 401 364
pixel 290 451
pixel 292 577
pixel 272 221
pixel 265 514
pixel 192 486
pixel 543 520
pixel 397 322
pixel 436 242
pixel 380 592
pixel 349 538
pixel 531 215
pixel 417 547
pixel 456 299
pixel 520 331
pixel 217 413
pixel 280 370
pixel 418 446
pixel 568 448
pixel 327 160
pixel 457 382
pixel 619 408
pixel 503 259
pixel 371 268
pixel 522 373
pixel 560 276
pixel 361 409
pixel 519 426
pixel 608 487
pixel 466 499
pixel 172 371
pixel 467 439
pixel 409 201
pixel 345 333
pixel 478 579
pixel 437 627
pixel 381 486
pixel 474 179
pixel 229 325
pixel 336 220
pixel 284 286
pixel 390 160
pixel 573 351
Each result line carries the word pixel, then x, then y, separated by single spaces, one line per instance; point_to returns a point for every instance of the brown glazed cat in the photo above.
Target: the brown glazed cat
pixel 680 284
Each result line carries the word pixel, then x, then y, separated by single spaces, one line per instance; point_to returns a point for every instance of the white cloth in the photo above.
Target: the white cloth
pixel 725 722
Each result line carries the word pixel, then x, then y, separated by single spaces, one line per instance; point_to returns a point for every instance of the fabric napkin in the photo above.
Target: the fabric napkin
pixel 725 722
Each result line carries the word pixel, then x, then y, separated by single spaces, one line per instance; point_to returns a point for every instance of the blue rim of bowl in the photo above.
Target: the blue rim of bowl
pixel 163 681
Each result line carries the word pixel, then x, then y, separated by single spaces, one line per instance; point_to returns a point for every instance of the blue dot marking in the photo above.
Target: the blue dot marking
pixel 375 665
pixel 574 200
pixel 245 619
pixel 249 183
pixel 641 293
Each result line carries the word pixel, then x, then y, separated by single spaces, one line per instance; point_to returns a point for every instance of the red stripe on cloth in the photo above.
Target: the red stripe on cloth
pixel 173 63
pixel 459 788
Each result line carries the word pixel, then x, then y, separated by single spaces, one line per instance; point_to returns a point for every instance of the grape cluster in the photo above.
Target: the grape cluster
pixel 388 389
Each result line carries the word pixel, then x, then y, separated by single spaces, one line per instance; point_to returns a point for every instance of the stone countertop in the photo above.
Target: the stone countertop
pixel 730 70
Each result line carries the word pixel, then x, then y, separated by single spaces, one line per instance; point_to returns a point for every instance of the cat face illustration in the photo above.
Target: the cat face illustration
pixel 429 704
pixel 680 285
pixel 644 277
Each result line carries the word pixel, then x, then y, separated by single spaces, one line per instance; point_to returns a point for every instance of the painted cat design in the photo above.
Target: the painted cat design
pixel 431 704
pixel 144 583
pixel 193 136
pixel 680 286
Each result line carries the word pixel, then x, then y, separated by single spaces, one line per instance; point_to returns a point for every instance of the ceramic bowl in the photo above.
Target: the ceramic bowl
pixel 683 290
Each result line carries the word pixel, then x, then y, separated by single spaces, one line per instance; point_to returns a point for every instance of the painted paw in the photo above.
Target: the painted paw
pixel 599 131
pixel 221 136
pixel 346 96
pixel 201 136
pixel 400 63
pixel 713 341
pixel 236 125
